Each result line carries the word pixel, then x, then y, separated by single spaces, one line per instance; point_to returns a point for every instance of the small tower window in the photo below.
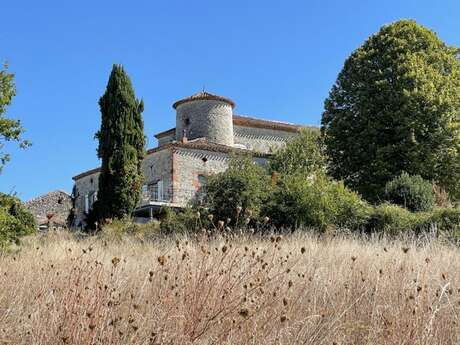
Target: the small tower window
pixel 187 121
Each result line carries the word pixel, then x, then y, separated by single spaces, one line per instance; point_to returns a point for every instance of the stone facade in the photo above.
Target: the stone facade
pixel 261 139
pixel 51 210
pixel 205 119
pixel 206 135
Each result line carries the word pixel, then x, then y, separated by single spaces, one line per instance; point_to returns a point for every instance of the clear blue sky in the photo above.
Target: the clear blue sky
pixel 275 59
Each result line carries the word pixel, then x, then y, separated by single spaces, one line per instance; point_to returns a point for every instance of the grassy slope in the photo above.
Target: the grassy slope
pixel 291 290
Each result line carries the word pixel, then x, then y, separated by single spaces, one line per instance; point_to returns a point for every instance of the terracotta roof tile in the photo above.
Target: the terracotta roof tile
pixel 203 95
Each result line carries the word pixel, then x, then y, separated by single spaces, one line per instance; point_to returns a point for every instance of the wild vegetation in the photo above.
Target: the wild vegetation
pixel 243 289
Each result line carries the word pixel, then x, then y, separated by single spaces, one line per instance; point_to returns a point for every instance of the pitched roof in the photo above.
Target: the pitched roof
pixel 86 173
pixel 203 95
pixel 247 121
pixel 165 133
pixel 196 144
pixel 47 195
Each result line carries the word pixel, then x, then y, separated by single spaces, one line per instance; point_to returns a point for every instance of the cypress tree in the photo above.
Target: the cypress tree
pixel 121 148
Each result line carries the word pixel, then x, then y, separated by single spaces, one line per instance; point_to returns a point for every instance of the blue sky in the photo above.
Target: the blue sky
pixel 275 59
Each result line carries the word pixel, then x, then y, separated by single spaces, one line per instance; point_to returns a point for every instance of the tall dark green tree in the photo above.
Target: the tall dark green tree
pixel 121 148
pixel 396 107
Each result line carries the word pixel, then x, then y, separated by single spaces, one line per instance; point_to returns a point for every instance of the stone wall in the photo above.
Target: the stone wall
pixel 53 208
pixel 84 186
pixel 208 119
pixel 261 139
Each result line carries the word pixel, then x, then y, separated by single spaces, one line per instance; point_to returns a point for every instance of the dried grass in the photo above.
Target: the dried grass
pixel 296 289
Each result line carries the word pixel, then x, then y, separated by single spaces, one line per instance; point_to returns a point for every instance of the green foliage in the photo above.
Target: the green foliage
pixel 447 219
pixel 15 221
pixel 304 154
pixel 393 219
pixel 239 191
pixel 10 130
pixel 411 192
pixel 119 228
pixel 121 148
pixel 315 201
pixel 395 107
pixel 186 220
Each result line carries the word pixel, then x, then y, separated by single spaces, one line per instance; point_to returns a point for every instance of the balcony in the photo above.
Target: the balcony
pixel 174 197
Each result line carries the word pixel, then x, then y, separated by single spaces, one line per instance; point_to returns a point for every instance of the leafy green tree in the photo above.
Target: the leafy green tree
pixel 121 148
pixel 238 192
pixel 10 130
pixel 303 154
pixel 396 107
pixel 15 221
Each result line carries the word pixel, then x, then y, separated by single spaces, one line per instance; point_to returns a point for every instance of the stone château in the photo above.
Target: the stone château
pixel 207 133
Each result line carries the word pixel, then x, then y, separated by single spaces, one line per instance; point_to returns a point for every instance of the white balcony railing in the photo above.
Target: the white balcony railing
pixel 170 195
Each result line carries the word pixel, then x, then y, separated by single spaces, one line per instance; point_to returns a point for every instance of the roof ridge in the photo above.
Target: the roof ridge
pixel 204 95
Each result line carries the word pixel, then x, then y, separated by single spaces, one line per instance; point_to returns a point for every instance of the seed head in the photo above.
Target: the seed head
pixel 161 260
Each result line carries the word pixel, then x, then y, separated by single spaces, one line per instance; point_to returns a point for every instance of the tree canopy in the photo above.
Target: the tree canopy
pixel 396 107
pixel 303 154
pixel 10 129
pixel 121 148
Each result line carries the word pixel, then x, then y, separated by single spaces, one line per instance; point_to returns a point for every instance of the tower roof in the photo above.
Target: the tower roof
pixel 203 95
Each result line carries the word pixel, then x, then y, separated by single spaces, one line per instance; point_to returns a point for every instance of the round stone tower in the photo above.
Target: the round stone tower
pixel 205 115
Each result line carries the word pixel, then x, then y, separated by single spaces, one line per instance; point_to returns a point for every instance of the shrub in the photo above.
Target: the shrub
pixel 15 221
pixel 315 201
pixel 237 192
pixel 394 219
pixel 119 228
pixel 411 192
pixel 445 219
pixel 181 221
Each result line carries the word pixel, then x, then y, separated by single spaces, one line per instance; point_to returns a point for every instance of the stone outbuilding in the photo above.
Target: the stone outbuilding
pixel 206 135
pixel 51 210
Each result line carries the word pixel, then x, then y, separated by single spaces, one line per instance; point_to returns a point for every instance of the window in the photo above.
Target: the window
pixel 145 192
pixel 90 199
pixel 202 187
pixel 155 191
pixel 202 181
pixel 86 203
pixel 160 190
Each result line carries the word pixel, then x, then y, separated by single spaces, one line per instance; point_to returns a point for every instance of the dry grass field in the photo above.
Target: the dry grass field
pixel 296 289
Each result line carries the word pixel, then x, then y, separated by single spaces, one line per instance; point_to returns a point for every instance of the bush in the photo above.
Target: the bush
pixel 15 221
pixel 394 219
pixel 411 192
pixel 445 219
pixel 315 201
pixel 181 221
pixel 239 191
pixel 119 228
